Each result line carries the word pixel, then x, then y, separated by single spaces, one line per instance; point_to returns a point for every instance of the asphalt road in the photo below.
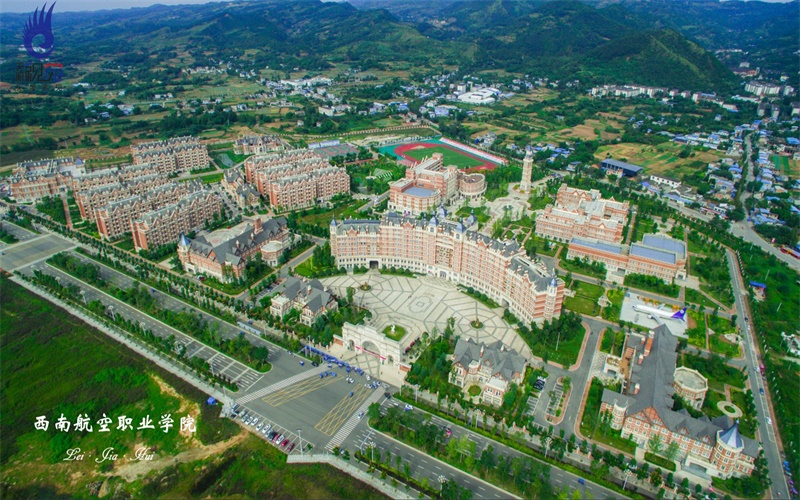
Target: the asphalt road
pixel 558 478
pixel 766 433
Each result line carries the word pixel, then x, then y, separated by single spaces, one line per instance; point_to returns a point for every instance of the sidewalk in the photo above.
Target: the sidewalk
pixel 350 469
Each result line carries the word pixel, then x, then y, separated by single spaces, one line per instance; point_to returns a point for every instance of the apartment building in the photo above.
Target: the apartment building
pixel 707 447
pixel 163 226
pixel 304 190
pixel 115 219
pixel 492 367
pixel 655 255
pixel 179 154
pixel 225 253
pixel 296 179
pixel 448 250
pixel 34 180
pixel 89 200
pixel 584 214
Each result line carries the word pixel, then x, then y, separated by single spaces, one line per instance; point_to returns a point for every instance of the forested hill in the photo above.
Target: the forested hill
pixel 560 39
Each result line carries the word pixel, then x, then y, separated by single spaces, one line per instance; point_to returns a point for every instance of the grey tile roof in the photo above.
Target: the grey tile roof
pixel 655 376
pixel 229 251
pixel 312 293
pixel 504 362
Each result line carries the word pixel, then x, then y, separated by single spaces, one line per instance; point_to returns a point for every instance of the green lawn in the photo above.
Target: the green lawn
pixel 720 325
pixel 588 290
pixel 697 335
pixel 306 268
pixel 540 246
pixel 695 297
pixel 582 305
pixel 481 213
pixel 611 313
pixel 450 157
pixel 567 353
pixel 399 332
pixel 125 243
pixel 747 422
pixel 721 346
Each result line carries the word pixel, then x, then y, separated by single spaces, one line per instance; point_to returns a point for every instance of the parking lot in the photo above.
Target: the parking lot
pixel 31 251
pixel 317 402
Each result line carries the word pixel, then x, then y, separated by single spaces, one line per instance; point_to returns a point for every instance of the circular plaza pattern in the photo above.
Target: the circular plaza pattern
pixel 425 303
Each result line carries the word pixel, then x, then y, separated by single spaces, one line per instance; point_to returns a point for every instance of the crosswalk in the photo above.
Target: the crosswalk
pixel 277 386
pixel 352 422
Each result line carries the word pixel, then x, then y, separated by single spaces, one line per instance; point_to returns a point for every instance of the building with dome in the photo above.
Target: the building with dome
pixel 429 183
pixel 447 249
pixel 707 447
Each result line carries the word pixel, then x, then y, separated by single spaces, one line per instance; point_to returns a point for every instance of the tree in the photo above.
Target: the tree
pixel 655 478
pixel 655 444
pixel 672 450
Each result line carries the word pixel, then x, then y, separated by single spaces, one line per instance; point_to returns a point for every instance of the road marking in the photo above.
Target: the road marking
pixel 299 390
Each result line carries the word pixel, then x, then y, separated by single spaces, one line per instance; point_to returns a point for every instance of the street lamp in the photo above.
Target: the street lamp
pixel 83 295
pixel 627 474
pixel 442 480
pixel 300 436
pixel 547 443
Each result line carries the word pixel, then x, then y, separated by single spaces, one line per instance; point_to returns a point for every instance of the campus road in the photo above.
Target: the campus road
pixel 766 433
pixel 433 468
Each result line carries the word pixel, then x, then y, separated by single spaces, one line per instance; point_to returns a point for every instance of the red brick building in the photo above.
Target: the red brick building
pixel 448 250
pixel 226 258
pixel 583 214
pixel 163 226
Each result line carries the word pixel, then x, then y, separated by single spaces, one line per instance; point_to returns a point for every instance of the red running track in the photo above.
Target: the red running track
pixel 401 150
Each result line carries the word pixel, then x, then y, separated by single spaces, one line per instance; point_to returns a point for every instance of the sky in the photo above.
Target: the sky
pixel 82 5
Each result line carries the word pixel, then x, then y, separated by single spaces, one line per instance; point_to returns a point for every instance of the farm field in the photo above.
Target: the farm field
pixel 660 159
pixel 785 165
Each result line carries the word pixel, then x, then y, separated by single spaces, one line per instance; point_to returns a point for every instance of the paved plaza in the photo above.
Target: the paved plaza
pixel 424 303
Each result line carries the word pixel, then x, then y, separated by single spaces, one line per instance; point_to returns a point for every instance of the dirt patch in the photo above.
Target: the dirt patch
pixel 187 407
pixel 135 469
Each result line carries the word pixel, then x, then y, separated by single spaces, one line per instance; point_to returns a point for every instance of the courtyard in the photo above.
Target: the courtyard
pixel 423 304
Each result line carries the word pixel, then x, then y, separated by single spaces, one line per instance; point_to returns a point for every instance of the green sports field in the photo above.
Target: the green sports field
pixel 450 157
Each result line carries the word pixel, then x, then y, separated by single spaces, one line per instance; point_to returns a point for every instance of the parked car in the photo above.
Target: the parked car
pixel 291 447
pixel 284 443
pixel 360 415
pixel 314 363
pixel 259 426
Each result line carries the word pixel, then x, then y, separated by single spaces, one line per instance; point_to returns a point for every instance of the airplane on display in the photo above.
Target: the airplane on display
pixel 658 313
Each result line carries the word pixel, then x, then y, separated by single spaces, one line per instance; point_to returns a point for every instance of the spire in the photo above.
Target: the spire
pixel 333 221
pixel 731 437
pixel 183 241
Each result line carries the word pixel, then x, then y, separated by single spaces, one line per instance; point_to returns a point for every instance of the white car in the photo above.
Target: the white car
pixel 368 378
pixel 259 426
pixel 769 421
pixel 255 422
pixel 267 428
pixel 360 415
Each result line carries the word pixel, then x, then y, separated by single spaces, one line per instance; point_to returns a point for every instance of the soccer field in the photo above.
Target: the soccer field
pixel 451 157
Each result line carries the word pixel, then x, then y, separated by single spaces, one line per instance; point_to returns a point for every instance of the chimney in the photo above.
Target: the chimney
pixel 257 226
pixel 636 389
pixel 308 290
pixel 237 243
pixel 650 337
pixel 482 351
pixel 641 358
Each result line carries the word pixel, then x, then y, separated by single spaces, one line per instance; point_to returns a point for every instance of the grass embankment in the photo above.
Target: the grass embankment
pixel 74 369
